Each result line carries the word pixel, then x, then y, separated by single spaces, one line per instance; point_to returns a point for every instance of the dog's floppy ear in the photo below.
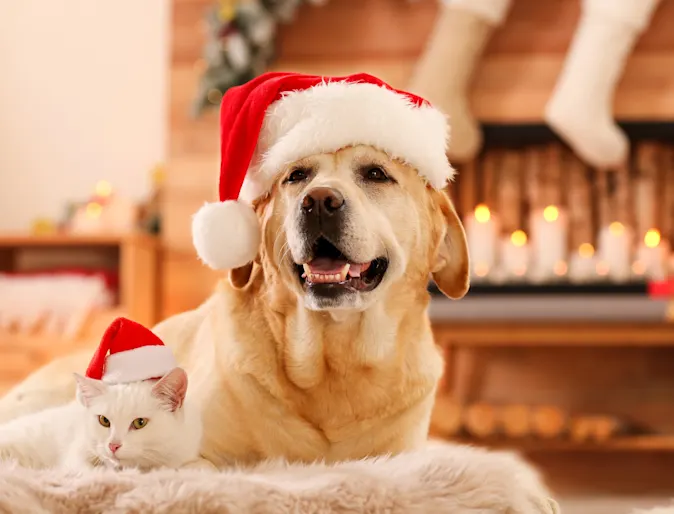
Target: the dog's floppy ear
pixel 240 277
pixel 451 267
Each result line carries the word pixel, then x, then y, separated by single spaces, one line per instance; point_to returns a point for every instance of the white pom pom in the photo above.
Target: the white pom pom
pixel 226 235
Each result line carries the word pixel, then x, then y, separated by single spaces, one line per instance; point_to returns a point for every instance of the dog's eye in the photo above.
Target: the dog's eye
pixel 297 175
pixel 375 174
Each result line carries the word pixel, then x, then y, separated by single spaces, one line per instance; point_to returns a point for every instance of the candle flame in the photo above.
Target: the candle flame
pixel 93 210
pixel 481 269
pixel 616 228
pixel 518 238
pixel 602 268
pixel 586 250
pixel 551 213
pixel 560 268
pixel 103 188
pixel 482 213
pixel 638 268
pixel 652 238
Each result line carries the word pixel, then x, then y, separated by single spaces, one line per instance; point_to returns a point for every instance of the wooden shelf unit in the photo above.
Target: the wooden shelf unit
pixel 134 256
pixel 470 349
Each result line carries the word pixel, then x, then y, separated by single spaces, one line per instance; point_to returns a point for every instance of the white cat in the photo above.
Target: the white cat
pixel 144 425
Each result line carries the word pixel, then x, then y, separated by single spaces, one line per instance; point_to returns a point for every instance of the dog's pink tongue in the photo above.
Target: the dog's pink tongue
pixel 325 265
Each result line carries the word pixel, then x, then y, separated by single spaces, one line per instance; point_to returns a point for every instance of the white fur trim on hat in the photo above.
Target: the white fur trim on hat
pixel 226 235
pixel 141 363
pixel 335 115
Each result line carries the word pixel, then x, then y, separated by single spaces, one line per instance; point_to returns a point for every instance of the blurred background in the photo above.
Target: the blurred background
pixel 563 135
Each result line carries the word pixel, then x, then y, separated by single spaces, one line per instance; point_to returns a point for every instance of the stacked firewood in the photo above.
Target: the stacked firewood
pixel 543 422
pixel 513 183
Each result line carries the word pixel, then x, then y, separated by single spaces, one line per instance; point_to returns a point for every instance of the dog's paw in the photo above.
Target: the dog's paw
pixel 200 464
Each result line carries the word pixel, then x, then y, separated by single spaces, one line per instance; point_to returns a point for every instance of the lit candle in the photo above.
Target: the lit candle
pixel 583 264
pixel 515 255
pixel 549 239
pixel 651 260
pixel 482 236
pixel 614 251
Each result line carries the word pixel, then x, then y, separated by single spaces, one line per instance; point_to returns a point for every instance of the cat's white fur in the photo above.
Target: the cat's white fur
pixel 72 436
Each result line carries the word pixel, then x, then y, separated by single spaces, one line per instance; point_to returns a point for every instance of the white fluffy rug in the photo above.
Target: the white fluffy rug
pixel 452 480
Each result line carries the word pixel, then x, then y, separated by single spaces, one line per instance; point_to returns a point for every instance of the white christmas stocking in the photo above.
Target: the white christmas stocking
pixel 581 107
pixel 446 66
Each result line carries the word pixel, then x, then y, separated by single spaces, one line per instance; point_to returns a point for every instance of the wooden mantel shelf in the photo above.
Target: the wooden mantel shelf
pixel 64 239
pixel 555 333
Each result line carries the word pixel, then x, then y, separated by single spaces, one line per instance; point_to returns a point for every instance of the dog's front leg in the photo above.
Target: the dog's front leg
pixel 199 463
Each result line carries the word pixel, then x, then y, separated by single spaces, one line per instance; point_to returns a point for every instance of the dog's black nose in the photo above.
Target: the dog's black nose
pixel 323 200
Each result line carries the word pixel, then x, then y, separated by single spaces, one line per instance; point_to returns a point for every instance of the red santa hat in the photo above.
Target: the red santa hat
pixel 129 352
pixel 278 118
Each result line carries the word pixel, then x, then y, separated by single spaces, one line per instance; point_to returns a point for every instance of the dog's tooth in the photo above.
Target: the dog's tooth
pixel 307 269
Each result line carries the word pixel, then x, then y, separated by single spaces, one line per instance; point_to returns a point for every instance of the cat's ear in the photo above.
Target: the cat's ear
pixel 88 389
pixel 172 388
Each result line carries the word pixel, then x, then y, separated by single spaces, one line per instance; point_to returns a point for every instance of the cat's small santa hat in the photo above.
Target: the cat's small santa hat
pixel 129 352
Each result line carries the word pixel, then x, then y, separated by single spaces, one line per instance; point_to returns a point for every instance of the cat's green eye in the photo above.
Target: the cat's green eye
pixel 139 423
pixel 104 421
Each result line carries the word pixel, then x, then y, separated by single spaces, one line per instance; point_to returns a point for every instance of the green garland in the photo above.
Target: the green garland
pixel 240 45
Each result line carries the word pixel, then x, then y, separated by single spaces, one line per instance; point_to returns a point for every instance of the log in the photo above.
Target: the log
pixel 446 419
pixel 481 420
pixel 532 171
pixel 580 429
pixel 516 420
pixel 509 193
pixel 581 228
pixel 548 421
pixel 646 206
pixel 490 173
pixel 603 200
pixel 623 204
pixel 667 218
pixel 594 428
pixel 551 176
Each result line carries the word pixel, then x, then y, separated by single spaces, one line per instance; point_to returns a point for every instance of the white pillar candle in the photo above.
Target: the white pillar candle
pixel 549 242
pixel 482 237
pixel 515 255
pixel 614 251
pixel 651 258
pixel 583 264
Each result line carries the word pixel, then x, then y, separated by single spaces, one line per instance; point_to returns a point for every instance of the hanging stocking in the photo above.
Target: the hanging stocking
pixel 580 109
pixel 446 66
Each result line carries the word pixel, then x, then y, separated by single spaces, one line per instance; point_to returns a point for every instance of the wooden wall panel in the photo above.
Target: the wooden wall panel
pixel 384 37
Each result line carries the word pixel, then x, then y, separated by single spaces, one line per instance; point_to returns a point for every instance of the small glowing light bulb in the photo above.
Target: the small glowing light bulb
pixel 482 213
pixel 518 238
pixel 586 250
pixel 652 238
pixel 551 213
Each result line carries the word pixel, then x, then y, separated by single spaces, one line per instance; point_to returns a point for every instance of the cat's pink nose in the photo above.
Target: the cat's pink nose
pixel 114 447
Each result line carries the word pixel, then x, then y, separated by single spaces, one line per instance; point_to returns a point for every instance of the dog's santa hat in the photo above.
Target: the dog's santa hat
pixel 278 118
pixel 129 352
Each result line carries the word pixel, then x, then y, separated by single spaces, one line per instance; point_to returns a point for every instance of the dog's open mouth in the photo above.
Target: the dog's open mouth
pixel 330 269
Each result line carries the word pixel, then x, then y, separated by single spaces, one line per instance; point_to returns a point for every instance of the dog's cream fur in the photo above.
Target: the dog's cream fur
pixel 280 375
